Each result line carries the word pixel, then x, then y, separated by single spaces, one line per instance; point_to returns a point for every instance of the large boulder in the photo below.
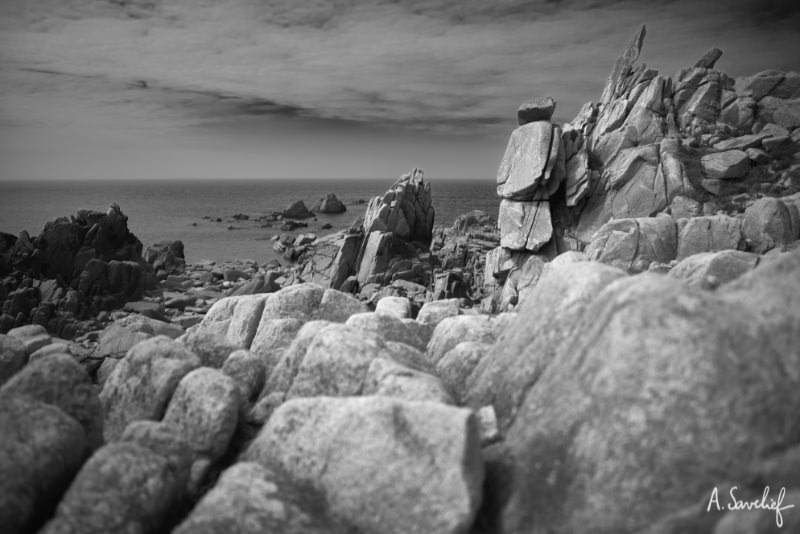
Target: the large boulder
pixel 767 224
pixel 537 109
pixel 633 244
pixel 525 225
pixel 142 383
pixel 296 210
pixel 329 204
pixel 41 449
pixel 533 162
pixel 383 465
pixel 405 210
pixel 627 428
pixel 726 165
pixel 709 234
pixel 59 380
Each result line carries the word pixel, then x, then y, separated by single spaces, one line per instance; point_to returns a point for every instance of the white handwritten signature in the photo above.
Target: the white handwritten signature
pixel 757 504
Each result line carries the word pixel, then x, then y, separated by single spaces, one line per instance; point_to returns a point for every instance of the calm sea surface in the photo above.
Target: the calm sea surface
pixel 167 210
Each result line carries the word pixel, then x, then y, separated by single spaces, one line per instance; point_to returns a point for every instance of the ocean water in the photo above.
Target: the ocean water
pixel 187 210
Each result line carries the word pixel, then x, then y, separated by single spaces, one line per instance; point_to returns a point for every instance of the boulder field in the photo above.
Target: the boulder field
pixel 618 350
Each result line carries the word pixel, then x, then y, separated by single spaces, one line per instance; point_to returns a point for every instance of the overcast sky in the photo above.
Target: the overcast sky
pixel 338 88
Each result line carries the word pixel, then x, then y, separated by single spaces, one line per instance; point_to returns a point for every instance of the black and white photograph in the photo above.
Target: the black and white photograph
pixel 399 267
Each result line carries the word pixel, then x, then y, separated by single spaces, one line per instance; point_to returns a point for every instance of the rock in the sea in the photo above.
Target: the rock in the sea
pixel 123 487
pixel 374 459
pixel 329 204
pixel 41 449
pixel 204 409
pixel 296 210
pixel 726 165
pixel 633 244
pixel 59 380
pixel 142 383
pixel 525 225
pixel 537 109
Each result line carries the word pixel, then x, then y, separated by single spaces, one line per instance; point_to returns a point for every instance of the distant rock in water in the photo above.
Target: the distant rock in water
pixel 329 204
pixel 296 210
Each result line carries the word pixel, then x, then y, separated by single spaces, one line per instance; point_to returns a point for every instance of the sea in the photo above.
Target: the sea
pixel 201 212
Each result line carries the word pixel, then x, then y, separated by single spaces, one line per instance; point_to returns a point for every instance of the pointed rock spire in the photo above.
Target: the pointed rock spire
pixel 623 66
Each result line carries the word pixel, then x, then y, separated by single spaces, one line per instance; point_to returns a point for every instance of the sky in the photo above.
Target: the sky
pixel 214 89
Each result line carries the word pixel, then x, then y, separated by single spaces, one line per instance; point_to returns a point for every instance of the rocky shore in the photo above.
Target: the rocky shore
pixel 620 346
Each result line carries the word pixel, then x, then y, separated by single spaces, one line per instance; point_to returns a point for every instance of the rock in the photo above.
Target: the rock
pixel 525 225
pixel 634 392
pixel 502 377
pixel 389 378
pixel 767 224
pixel 59 380
pixel 153 310
pixel 788 115
pixel 529 164
pixel 406 210
pixel 260 283
pixel 375 458
pixel 454 330
pixel 711 269
pixel 204 409
pixel 338 306
pixel 296 210
pixel 124 487
pixel 148 325
pixel 166 257
pixel 400 307
pixel 211 349
pixel 248 371
pixel 272 338
pixel 33 337
pixel 387 326
pixel 709 234
pixel 374 259
pixel 13 357
pixel 58 347
pixel 218 318
pixel 709 59
pixel 41 449
pixel 487 424
pixel 622 67
pixel 142 383
pixel 330 204
pixel 163 439
pixel 633 244
pixel 726 165
pixel 116 340
pixel 245 319
pixel 251 499
pixel 538 109
pixel 433 313
pixel 456 366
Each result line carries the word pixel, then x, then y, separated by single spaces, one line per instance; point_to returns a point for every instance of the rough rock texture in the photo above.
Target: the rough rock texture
pixel 726 165
pixel 41 449
pixel 329 204
pixel 124 487
pixel 529 164
pixel 433 313
pixel 375 459
pixel 389 327
pixel 248 371
pixel 59 380
pixel 400 307
pixel 204 409
pixel 406 210
pixel 296 210
pixel 537 109
pixel 767 224
pixel 251 499
pixel 525 225
pixel 624 399
pixel 143 382
pixel 633 244
pixel 711 269
pixel 12 357
pixel 709 234
pixel 454 330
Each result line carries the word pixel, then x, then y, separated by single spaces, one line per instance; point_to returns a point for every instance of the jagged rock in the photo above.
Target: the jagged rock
pixel 633 244
pixel 537 109
pixel 204 409
pixel 124 487
pixel 375 458
pixel 140 386
pixel 334 258
pixel 622 68
pixel 767 223
pixel 296 210
pixel 400 307
pixel 41 449
pixel 726 165
pixel 433 313
pixel 686 377
pixel 709 234
pixel 761 84
pixel 711 269
pixel 739 114
pixel 329 204
pixel 59 380
pixel 405 210
pixel 531 162
pixel 13 357
pixel 525 225
pixel 248 371
pixel 709 59
pixel 251 499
